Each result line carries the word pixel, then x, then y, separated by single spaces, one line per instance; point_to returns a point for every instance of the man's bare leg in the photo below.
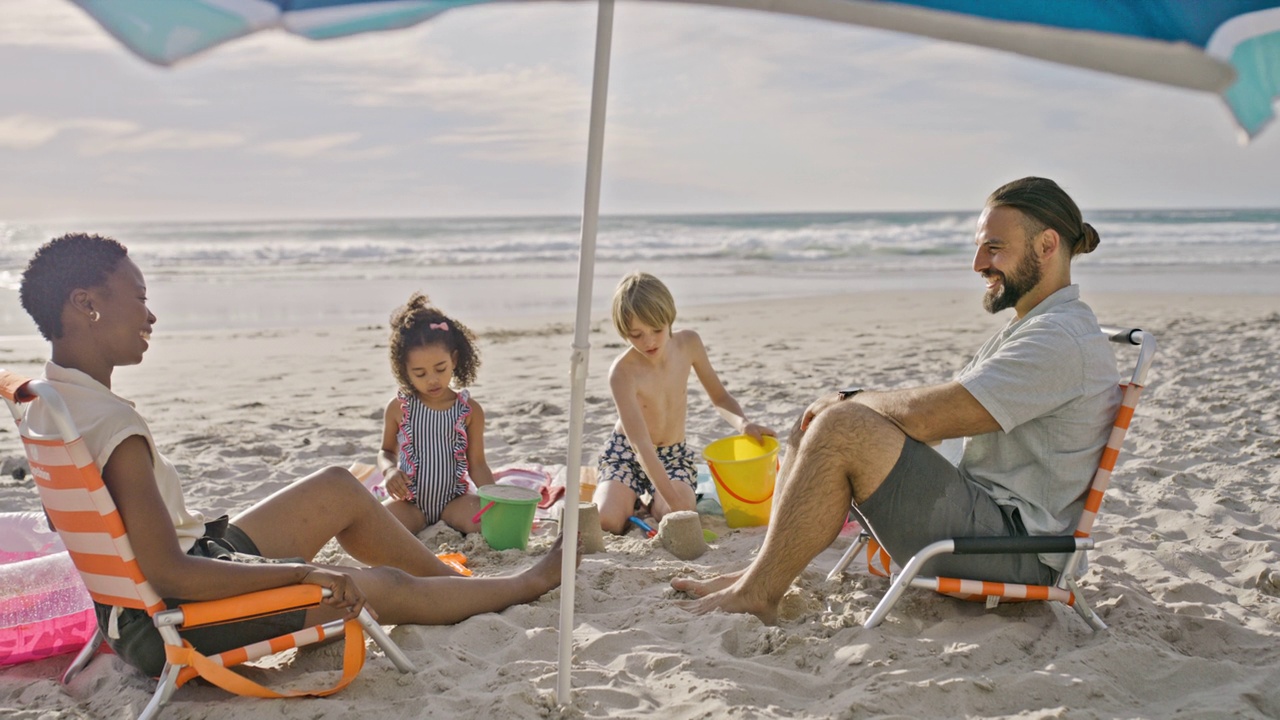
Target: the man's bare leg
pixel 846 453
pixel 702 588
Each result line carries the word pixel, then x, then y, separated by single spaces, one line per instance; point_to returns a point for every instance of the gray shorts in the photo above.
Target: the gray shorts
pixel 925 499
pixel 140 644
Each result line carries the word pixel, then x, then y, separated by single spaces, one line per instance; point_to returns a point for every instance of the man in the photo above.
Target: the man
pixel 1036 404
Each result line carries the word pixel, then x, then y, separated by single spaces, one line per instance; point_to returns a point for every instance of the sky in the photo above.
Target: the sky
pixel 483 111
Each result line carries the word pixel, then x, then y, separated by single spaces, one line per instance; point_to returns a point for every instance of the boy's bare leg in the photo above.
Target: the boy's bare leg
pixel 686 497
pixel 846 453
pixel 617 502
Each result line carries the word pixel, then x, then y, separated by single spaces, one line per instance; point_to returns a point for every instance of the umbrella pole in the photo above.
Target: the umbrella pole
pixel 581 344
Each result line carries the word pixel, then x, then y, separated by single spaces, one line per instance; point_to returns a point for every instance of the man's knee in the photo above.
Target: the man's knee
pixel 851 425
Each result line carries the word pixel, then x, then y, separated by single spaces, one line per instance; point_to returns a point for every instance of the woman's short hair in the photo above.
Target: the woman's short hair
pixel 71 262
pixel 641 296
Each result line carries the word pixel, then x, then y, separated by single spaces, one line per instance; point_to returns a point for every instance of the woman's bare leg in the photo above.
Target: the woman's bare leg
pixel 400 598
pixel 298 520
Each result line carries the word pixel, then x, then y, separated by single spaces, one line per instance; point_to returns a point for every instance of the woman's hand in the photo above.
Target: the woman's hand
pixel 346 595
pixel 397 485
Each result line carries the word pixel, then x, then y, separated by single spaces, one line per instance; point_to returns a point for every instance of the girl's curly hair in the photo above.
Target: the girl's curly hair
pixel 417 324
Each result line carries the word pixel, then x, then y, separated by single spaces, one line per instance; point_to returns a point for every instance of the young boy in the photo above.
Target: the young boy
pixel 649 381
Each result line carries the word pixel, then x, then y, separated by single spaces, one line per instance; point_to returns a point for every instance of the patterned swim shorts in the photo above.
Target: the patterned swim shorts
pixel 619 462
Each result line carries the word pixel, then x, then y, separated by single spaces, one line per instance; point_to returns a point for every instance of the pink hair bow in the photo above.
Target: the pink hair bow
pixel 439 326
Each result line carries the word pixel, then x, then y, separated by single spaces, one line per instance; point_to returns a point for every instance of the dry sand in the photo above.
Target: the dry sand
pixel 1191 524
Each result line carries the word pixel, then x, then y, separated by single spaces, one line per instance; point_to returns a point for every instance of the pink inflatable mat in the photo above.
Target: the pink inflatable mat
pixel 44 607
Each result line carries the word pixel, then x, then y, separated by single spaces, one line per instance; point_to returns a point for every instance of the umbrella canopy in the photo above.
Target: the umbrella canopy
pixel 1230 47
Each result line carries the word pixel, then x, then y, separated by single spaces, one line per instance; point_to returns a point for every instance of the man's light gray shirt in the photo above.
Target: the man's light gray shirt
pixel 1049 379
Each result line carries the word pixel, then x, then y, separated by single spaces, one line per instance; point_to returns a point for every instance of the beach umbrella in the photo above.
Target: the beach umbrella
pixel 1229 47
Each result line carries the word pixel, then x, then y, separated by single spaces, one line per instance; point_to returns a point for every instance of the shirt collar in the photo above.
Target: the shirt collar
pixel 71 376
pixel 1070 293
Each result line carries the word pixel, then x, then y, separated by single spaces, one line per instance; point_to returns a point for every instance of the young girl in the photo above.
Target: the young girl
pixel 433 436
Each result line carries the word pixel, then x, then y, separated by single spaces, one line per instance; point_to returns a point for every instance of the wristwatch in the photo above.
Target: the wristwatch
pixel 849 392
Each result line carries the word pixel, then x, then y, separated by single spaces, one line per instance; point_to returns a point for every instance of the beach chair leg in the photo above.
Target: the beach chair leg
pixel 905 578
pixel 86 654
pixel 1081 606
pixel 389 646
pixel 848 556
pixel 165 688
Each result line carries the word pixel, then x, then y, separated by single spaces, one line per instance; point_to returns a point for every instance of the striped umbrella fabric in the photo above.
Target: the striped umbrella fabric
pixel 1230 47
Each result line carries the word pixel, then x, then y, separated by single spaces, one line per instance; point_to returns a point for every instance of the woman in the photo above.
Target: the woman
pixel 89 300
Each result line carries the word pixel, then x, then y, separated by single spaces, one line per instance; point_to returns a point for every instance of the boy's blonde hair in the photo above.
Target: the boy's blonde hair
pixel 641 296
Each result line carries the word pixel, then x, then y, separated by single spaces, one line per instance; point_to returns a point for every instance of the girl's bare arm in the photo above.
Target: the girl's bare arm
pixel 388 462
pixel 477 466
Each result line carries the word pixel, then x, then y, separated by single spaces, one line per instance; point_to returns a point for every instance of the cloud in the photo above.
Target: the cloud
pixel 101 136
pixel 26 132
pixel 309 146
pixel 57 25
pixel 162 139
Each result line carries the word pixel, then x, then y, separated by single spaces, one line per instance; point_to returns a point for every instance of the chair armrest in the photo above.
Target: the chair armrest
pixel 1034 544
pixel 244 607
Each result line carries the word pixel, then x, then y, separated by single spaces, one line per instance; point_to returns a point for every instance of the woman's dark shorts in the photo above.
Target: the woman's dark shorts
pixel 140 644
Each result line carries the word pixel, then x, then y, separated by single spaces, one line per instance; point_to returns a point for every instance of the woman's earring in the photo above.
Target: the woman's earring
pixel 94 316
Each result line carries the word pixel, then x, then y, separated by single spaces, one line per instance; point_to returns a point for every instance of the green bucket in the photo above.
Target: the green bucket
pixel 508 523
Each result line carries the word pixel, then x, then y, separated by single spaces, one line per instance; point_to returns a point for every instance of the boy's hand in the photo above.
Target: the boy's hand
pixel 757 431
pixel 397 485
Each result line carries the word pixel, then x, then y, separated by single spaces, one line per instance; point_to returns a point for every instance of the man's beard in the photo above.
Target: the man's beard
pixel 1025 277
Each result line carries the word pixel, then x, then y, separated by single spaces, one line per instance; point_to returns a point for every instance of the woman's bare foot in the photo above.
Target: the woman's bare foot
pixel 544 575
pixel 702 588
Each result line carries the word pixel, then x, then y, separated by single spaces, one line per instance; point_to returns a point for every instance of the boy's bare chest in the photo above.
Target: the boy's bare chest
pixel 662 388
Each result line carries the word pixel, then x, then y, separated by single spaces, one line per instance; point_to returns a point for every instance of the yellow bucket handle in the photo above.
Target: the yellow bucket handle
pixel 736 496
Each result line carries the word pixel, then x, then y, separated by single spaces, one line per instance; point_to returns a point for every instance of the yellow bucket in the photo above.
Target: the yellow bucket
pixel 744 471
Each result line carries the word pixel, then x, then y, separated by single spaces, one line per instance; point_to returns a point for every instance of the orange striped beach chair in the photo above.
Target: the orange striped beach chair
pixel 1066 590
pixel 82 511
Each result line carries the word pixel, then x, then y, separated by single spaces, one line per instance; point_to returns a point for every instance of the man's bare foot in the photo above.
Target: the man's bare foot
pixel 734 599
pixel 702 588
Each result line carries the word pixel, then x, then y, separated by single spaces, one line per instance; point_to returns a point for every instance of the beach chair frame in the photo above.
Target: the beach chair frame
pixel 81 509
pixel 1066 590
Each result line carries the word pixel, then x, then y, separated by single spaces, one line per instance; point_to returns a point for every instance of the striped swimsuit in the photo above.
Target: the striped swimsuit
pixel 433 452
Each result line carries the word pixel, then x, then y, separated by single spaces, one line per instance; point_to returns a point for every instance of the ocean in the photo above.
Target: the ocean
pixel 253 274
